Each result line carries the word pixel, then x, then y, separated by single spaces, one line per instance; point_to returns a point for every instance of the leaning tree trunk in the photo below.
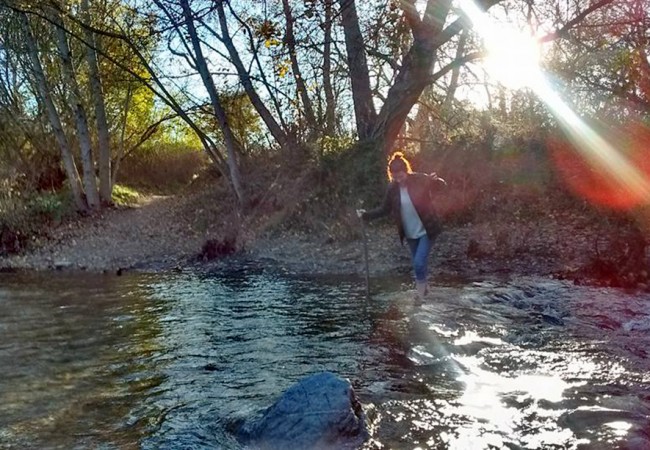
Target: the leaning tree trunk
pixel 280 136
pixel 53 116
pixel 103 137
pixel 290 41
pixel 232 145
pixel 83 133
pixel 413 76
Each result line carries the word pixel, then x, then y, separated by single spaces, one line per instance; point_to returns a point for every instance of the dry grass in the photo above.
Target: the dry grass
pixel 163 170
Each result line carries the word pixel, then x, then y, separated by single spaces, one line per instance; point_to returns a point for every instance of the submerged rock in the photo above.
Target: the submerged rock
pixel 319 412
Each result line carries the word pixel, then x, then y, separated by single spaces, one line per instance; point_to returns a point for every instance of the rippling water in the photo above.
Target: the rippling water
pixel 179 360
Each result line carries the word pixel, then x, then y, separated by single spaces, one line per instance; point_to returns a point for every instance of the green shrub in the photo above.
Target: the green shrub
pixel 48 206
pixel 24 215
pixel 124 195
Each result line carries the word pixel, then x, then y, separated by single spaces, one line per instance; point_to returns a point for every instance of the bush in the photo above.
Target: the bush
pixel 354 177
pixel 48 206
pixel 124 195
pixel 13 219
pixel 24 215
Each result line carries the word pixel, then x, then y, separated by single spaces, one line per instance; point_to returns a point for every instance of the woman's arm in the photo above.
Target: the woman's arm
pixel 436 183
pixel 383 209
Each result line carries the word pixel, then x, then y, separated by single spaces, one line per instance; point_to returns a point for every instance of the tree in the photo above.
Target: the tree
pixel 53 115
pixel 281 136
pixel 364 109
pixel 301 87
pixel 374 61
pixel 79 110
pixel 96 90
pixel 232 145
pixel 608 56
pixel 330 105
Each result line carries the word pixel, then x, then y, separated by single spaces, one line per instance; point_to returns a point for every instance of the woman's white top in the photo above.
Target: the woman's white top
pixel 413 227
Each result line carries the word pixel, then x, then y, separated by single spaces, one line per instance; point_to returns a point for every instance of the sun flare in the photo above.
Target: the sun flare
pixel 609 176
pixel 512 58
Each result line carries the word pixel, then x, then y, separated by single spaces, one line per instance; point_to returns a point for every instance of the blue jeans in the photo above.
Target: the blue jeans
pixel 419 255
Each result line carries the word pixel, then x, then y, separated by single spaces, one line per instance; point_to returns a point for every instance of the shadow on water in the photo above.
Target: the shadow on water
pixel 179 360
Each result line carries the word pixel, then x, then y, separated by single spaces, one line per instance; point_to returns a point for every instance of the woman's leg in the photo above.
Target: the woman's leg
pixel 420 249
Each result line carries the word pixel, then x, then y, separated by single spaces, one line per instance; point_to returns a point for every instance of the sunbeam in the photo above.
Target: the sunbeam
pixel 595 149
pixel 513 59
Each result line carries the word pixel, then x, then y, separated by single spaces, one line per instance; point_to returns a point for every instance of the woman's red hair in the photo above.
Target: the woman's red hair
pixel 398 163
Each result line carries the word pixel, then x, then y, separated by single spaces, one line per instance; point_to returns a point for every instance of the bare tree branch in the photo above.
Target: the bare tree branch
pixel 563 32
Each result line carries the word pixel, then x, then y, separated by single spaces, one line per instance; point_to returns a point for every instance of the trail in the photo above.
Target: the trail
pixel 159 230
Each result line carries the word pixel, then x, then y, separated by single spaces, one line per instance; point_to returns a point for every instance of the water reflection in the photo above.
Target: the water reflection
pixel 178 360
pixel 75 360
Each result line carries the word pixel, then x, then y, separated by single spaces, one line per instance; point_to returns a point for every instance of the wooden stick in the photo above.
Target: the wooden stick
pixel 365 256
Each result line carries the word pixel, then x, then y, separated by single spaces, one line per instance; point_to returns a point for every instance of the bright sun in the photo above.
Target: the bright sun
pixel 610 176
pixel 512 58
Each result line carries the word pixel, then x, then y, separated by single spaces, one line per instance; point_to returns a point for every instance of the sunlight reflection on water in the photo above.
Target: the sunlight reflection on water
pixel 519 383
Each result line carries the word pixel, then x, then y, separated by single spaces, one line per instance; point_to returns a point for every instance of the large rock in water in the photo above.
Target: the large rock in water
pixel 319 412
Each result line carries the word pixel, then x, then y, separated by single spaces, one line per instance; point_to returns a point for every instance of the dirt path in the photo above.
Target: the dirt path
pixel 156 232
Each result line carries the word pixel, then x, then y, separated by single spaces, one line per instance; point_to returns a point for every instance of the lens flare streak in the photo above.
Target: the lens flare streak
pixel 593 147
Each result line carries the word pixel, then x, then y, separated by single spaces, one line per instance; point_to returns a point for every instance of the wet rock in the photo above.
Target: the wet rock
pixel 552 319
pixel 319 412
pixel 217 248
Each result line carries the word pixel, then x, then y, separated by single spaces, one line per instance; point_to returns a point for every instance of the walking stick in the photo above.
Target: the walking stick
pixel 365 256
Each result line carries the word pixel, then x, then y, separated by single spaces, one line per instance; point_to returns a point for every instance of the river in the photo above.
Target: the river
pixel 178 360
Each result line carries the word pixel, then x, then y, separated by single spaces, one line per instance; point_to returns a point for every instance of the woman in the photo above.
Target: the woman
pixel 409 199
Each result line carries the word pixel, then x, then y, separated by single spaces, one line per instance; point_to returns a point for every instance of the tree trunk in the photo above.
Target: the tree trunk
pixel 330 117
pixel 455 73
pixel 244 77
pixel 422 122
pixel 413 76
pixel 53 116
pixel 290 41
pixel 364 109
pixel 115 168
pixel 81 120
pixel 103 137
pixel 232 145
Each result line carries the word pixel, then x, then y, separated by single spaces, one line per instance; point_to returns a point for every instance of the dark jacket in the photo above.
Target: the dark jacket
pixel 421 188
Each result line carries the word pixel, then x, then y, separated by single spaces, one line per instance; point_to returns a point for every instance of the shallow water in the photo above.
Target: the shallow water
pixel 179 360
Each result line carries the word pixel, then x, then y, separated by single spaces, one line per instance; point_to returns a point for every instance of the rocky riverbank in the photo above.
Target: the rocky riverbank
pixel 164 233
pixel 170 232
